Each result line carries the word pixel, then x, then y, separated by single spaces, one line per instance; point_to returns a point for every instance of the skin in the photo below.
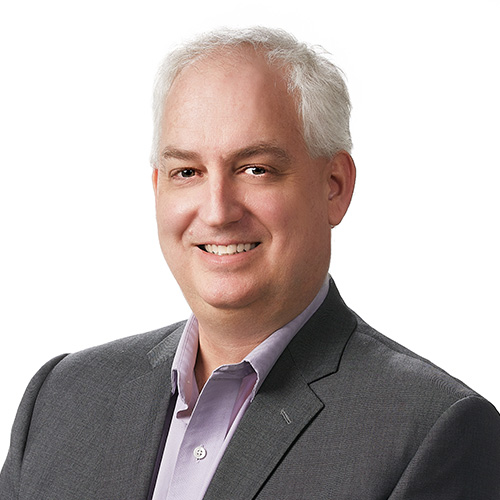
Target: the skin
pixel 234 169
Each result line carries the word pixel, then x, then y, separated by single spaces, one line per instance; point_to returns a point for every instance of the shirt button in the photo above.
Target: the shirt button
pixel 200 453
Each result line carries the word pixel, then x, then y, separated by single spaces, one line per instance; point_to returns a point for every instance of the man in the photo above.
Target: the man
pixel 273 389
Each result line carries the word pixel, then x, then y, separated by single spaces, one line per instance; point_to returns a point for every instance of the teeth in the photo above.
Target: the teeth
pixel 229 249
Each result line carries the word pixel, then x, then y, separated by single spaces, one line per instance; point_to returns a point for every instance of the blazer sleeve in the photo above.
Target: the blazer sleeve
pixel 459 459
pixel 11 471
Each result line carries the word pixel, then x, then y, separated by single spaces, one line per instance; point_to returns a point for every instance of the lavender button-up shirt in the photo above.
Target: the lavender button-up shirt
pixel 203 423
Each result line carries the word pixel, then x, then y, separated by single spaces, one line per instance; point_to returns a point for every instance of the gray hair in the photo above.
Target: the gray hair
pixel 323 103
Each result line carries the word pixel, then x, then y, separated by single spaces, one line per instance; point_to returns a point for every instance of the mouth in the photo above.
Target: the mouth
pixel 228 249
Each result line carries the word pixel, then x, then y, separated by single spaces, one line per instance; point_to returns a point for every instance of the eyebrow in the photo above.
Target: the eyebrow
pixel 261 148
pixel 178 154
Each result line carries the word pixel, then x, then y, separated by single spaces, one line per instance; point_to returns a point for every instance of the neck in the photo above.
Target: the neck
pixel 227 341
pixel 227 336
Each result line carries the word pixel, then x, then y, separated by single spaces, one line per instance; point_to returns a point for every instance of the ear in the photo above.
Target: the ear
pixel 155 182
pixel 341 184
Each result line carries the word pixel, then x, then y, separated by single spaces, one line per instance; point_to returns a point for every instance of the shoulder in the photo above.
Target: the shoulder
pixel 428 429
pixel 401 368
pixel 398 392
pixel 96 372
pixel 407 394
pixel 77 390
pixel 116 360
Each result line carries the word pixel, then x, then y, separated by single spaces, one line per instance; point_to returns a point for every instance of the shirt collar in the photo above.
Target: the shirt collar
pixel 183 364
pixel 261 359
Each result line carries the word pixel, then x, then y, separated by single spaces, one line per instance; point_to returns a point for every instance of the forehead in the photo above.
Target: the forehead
pixel 228 101
pixel 235 80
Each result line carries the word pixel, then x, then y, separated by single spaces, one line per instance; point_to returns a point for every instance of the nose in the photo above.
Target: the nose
pixel 221 203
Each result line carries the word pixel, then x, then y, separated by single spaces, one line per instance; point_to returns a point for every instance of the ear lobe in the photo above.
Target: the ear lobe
pixel 342 180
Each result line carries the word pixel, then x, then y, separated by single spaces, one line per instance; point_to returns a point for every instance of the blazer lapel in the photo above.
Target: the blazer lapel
pixel 279 412
pixel 285 404
pixel 136 426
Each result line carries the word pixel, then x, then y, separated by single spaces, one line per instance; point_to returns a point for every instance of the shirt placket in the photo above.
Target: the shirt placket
pixel 205 435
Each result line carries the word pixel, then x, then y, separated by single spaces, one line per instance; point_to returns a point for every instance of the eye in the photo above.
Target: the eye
pixel 256 170
pixel 186 173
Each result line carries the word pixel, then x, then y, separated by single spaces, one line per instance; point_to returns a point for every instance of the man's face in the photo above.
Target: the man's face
pixel 242 209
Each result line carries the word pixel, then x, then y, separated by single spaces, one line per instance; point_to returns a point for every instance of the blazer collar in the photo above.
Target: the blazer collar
pixel 317 348
pixel 165 350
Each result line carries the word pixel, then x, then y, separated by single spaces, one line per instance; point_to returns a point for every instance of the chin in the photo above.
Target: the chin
pixel 229 296
pixel 228 301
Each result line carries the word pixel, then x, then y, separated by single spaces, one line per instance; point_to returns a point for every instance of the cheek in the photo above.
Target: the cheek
pixel 273 209
pixel 173 215
pixel 301 210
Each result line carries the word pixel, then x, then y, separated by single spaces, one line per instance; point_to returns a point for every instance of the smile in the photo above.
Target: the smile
pixel 228 249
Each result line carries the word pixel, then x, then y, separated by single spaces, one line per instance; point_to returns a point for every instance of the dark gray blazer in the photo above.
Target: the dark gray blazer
pixel 345 414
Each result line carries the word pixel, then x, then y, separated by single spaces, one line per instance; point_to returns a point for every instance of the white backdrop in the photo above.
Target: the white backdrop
pixel 416 256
